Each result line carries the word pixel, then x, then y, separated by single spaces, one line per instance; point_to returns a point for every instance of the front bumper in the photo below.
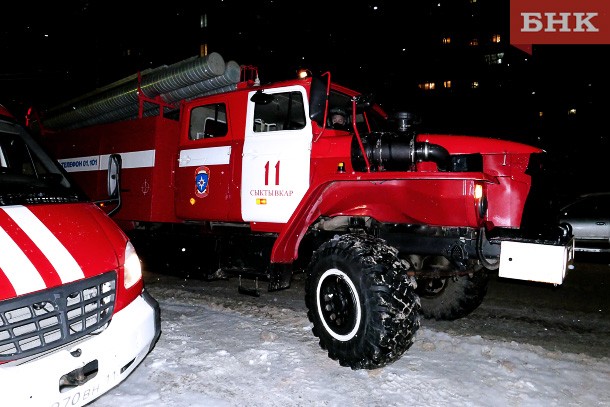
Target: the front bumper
pixel 79 373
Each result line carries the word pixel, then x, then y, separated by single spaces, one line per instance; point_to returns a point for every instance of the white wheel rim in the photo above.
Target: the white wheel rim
pixel 344 277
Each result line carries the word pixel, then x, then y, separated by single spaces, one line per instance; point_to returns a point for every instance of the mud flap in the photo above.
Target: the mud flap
pixel 280 275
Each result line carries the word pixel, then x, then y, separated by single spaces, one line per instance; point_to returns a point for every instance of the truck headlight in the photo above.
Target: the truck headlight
pixel 132 270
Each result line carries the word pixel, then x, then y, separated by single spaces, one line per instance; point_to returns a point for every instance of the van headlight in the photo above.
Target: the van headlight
pixel 132 270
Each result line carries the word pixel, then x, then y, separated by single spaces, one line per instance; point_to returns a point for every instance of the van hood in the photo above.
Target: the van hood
pixel 44 246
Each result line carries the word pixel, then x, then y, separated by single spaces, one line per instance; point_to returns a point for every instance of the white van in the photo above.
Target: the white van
pixel 75 318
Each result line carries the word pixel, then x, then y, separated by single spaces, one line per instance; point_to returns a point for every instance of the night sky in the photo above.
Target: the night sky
pixel 54 51
pixel 58 49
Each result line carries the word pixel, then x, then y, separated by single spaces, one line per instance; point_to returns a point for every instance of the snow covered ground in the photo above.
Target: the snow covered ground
pixel 220 348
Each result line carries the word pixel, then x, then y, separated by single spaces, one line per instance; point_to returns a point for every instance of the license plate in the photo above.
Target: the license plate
pixel 88 392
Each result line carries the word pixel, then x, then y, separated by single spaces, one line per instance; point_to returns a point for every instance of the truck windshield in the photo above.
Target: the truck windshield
pixel 27 174
pixel 367 118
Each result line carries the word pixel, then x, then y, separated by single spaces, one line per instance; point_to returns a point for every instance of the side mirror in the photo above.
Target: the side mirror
pixel 318 99
pixel 114 184
pixel 114 173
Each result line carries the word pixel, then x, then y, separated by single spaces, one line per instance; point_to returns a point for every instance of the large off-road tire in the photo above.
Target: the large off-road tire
pixel 361 302
pixel 454 297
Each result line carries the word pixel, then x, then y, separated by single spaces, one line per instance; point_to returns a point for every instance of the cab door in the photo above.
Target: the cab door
pixel 276 154
pixel 203 174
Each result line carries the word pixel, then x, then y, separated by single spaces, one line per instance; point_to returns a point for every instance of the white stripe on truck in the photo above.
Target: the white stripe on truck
pixel 133 159
pixel 195 157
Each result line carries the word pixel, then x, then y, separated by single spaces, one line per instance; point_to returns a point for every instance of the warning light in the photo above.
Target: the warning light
pixel 478 191
pixel 303 73
pixel 341 167
pixel 480 200
pixel 261 201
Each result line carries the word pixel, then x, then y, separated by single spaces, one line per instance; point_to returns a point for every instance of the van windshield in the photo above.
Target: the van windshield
pixel 27 174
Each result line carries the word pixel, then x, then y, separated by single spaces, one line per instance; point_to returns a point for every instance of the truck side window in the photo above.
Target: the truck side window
pixel 208 121
pixel 284 112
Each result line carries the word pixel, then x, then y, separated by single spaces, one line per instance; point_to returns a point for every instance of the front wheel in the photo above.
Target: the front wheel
pixel 361 302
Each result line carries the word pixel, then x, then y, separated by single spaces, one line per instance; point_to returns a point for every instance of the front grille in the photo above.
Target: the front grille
pixel 47 319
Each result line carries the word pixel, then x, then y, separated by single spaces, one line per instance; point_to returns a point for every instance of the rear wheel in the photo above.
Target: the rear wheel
pixel 361 302
pixel 449 298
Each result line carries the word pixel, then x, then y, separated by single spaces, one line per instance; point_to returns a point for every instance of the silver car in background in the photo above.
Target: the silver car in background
pixel 589 217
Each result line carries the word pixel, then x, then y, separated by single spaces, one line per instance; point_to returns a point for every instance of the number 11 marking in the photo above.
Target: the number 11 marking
pixel 277 173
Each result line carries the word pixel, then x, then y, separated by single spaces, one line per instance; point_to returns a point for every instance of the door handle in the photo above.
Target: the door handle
pixel 600 223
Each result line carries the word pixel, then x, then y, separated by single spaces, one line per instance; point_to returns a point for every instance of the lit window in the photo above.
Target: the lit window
pixel 473 42
pixel 495 38
pixel 474 84
pixel 446 40
pixel 494 59
pixel 540 114
pixel 473 1
pixel 572 111
pixel 427 86
pixel 447 84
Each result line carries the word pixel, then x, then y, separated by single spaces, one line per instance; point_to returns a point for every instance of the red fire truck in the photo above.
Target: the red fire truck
pixel 75 318
pixel 386 223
